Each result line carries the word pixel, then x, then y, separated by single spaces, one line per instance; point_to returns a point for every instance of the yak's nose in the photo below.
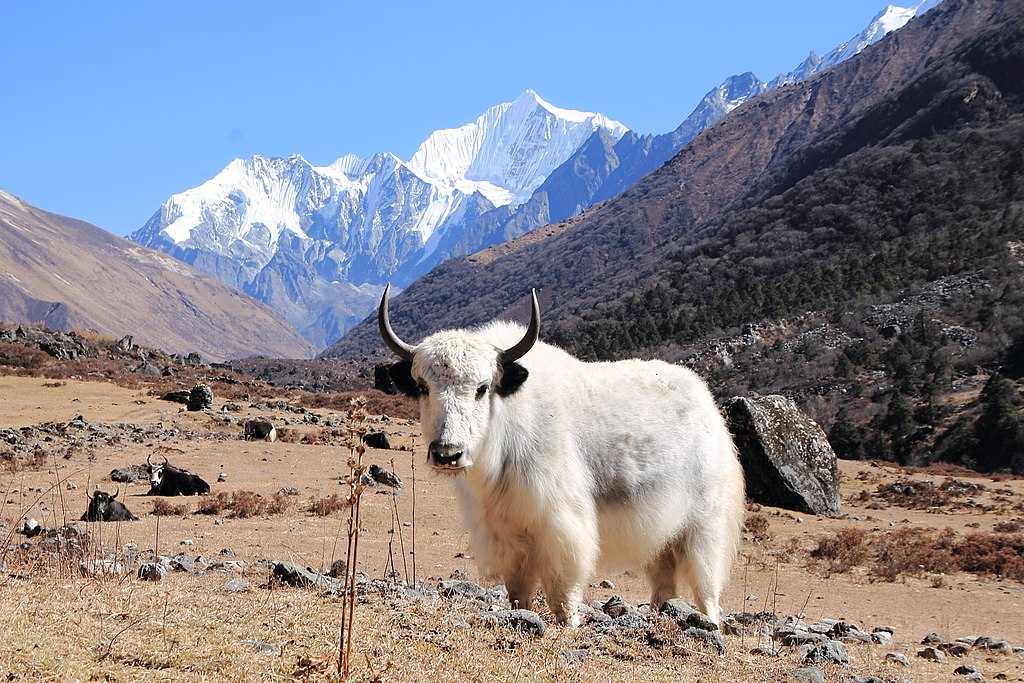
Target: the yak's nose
pixel 445 454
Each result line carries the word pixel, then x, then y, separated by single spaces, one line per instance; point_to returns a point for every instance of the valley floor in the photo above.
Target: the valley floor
pixel 61 625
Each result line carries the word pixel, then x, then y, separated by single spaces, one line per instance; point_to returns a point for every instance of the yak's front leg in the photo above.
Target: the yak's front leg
pixel 571 553
pixel 521 581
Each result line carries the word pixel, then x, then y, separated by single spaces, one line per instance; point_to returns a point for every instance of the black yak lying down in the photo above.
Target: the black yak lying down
pixel 104 507
pixel 167 480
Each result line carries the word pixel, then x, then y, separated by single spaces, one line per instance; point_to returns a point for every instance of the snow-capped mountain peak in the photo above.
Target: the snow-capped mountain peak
pixel 285 230
pixel 891 18
pixel 513 145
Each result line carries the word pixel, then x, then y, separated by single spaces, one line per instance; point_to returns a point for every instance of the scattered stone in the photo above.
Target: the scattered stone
pixel 187 541
pixel 523 620
pixel 897 658
pixel 575 657
pixel 262 647
pixel 605 583
pixel 965 669
pixel 152 571
pixel 831 651
pixel 808 674
pixel 786 456
pixel 200 398
pixel 104 567
pixel 686 615
pixel 881 637
pixel 222 477
pixel 237 586
pixel 933 654
pixel 793 635
pixel 130 474
pixel 711 639
pixel 932 638
pixel 182 563
pixel 181 396
pixel 288 491
pixel 377 440
pixel 615 607
pixel 955 649
pixel 302 577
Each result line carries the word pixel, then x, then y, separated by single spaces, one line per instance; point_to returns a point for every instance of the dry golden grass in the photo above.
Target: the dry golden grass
pixel 189 628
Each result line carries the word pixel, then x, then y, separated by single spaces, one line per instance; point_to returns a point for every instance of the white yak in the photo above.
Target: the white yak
pixel 562 466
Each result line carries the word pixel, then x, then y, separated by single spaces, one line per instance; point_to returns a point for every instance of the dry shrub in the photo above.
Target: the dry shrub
pixel 914 552
pixel 1009 526
pixel 997 554
pixel 165 508
pixel 243 504
pixel 54 385
pixel 246 504
pixel 278 504
pixel 917 552
pixel 289 435
pixel 757 526
pixel 914 495
pixel 321 507
pixel 21 356
pixel 377 402
pixel 316 437
pixel 215 504
pixel 848 548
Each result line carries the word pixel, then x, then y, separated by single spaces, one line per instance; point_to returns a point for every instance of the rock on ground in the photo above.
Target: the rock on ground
pixel 200 398
pixel 377 440
pixel 786 456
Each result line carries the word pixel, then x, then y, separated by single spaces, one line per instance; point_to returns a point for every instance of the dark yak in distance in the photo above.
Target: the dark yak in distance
pixel 104 507
pixel 167 480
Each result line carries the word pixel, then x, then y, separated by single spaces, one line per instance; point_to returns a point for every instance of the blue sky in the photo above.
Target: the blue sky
pixel 107 108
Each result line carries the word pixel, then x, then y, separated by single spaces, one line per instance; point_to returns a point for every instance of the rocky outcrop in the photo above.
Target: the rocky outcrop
pixel 200 398
pixel 787 459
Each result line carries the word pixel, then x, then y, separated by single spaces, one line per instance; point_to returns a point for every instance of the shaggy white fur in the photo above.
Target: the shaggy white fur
pixel 620 464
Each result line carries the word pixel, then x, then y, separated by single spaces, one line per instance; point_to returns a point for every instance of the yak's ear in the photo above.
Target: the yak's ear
pixel 512 377
pixel 401 375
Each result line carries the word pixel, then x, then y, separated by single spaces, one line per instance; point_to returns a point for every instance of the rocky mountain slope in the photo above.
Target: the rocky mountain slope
pixel 841 190
pixel 66 273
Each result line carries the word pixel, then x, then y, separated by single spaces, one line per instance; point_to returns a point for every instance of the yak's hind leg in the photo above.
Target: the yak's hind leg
pixel 706 556
pixel 661 572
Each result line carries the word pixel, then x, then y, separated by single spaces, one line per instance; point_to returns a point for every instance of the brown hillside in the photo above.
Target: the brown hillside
pixel 67 273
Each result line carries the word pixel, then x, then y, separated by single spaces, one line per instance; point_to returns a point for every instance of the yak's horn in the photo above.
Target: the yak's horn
pixel 529 339
pixel 116 492
pixel 401 349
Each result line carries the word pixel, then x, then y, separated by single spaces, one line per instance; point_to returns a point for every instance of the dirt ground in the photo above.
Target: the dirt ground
pixel 962 604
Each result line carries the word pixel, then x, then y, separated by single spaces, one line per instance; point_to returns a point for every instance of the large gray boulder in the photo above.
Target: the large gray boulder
pixel 786 457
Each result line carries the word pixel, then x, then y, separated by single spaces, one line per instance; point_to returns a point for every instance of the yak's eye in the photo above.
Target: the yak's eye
pixel 480 391
pixel 422 387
